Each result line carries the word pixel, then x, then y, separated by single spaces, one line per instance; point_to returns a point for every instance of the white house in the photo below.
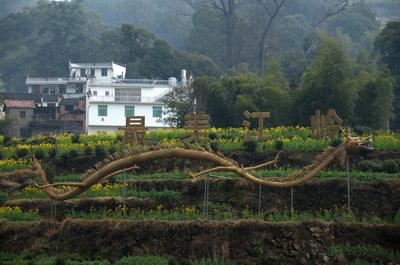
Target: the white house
pixel 109 96
pixel 109 103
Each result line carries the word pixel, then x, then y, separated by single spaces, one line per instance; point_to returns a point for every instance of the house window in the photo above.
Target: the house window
pixel 62 89
pixel 157 111
pixel 103 72
pixel 83 72
pixel 46 90
pixel 107 93
pixel 22 114
pixel 129 111
pixel 102 110
pixel 69 108
pixel 94 92
pixel 128 94
pixel 79 88
pixel 92 73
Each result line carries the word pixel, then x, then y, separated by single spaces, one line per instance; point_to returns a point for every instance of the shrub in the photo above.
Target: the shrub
pixel 390 166
pixel 7 141
pixel 50 140
pixel 88 150
pixel 212 262
pixel 53 152
pixel 212 136
pixel 214 146
pixel 167 197
pixel 119 138
pixel 370 165
pixel 1 155
pixel 336 142
pixel 65 157
pixel 75 138
pixel 39 154
pixel 396 218
pixel 150 260
pixel 112 149
pixel 99 150
pixel 250 146
pixel 362 130
pixel 21 153
pixel 279 145
pixel 72 153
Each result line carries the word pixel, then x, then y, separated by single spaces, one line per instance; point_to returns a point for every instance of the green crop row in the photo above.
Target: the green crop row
pixel 14 259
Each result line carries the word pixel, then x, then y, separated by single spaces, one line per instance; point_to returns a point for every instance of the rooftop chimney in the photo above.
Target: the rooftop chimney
pixel 183 77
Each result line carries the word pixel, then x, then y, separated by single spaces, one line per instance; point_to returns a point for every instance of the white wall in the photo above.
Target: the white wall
pixel 101 93
pixel 116 116
pixel 152 93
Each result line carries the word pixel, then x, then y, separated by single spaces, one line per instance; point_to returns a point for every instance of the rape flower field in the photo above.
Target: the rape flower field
pixel 293 138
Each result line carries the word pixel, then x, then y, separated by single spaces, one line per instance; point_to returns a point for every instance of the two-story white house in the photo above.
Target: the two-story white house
pixel 110 103
pixel 110 98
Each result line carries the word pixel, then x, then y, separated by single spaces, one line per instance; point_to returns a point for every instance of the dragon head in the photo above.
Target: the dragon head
pixel 358 144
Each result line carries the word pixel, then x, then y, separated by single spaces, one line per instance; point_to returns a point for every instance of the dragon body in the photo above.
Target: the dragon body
pixel 118 163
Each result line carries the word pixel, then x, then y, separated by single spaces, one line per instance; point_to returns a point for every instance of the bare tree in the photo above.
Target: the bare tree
pixel 271 8
pixel 228 10
pixel 335 7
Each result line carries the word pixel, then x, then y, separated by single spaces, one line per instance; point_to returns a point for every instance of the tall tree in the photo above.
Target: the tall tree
pixel 387 44
pixel 327 84
pixel 376 96
pixel 272 8
pixel 228 10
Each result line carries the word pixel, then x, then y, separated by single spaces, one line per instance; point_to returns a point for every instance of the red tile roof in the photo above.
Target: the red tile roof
pixel 20 103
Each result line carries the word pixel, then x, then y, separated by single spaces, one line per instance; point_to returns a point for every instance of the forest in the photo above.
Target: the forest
pixel 286 57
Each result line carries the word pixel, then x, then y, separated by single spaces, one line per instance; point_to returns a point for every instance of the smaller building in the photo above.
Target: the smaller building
pixel 73 110
pixel 20 112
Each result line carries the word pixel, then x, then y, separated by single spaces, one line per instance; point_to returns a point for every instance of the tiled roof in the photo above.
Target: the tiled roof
pixel 20 103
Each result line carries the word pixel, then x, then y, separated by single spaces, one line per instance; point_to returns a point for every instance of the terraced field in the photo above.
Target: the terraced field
pixel 160 215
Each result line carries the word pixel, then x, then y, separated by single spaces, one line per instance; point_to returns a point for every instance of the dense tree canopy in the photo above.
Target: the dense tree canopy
pixel 327 83
pixel 286 57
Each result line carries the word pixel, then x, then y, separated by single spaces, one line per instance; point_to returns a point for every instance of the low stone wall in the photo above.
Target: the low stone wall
pixel 378 198
pixel 244 242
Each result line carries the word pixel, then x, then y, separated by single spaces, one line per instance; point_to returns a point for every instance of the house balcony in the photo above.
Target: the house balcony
pixel 53 80
pixel 124 99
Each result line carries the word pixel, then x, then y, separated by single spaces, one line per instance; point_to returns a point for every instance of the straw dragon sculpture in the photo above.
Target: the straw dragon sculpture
pixel 117 163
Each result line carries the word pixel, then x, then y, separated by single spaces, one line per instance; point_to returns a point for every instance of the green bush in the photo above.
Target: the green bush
pixel 335 142
pixel 279 145
pixel 72 153
pixel 149 260
pixel 88 150
pixel 39 154
pixel 75 138
pixel 212 262
pixel 166 197
pixel 99 150
pixel 390 166
pixel 250 146
pixel 119 138
pixel 214 146
pixel 396 218
pixel 53 152
pixel 212 136
pixel 370 165
pixel 21 153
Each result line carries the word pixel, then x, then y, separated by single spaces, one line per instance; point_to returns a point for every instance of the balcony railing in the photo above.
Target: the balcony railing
pixel 142 81
pixel 58 80
pixel 127 99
